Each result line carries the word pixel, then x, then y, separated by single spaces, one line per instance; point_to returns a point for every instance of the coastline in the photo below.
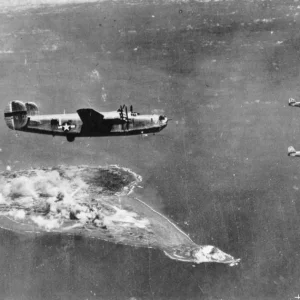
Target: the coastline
pixel 71 201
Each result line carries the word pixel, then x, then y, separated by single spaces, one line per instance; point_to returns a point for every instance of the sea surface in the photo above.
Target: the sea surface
pixel 223 71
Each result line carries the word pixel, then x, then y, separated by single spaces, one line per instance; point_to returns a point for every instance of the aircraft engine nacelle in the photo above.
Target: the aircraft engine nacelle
pixel 15 114
pixel 32 108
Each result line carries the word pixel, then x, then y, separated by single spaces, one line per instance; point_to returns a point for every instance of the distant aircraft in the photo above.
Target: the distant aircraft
pixel 293 152
pixel 292 102
pixel 87 122
pixel 291 149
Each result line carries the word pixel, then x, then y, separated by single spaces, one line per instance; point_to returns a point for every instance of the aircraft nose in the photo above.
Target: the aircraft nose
pixel 163 122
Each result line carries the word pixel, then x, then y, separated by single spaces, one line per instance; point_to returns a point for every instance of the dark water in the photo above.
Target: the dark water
pixel 223 71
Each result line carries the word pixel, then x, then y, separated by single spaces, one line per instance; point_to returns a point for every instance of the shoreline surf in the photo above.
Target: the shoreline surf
pixel 95 202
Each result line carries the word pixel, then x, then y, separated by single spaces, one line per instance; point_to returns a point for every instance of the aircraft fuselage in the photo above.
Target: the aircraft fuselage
pixel 71 124
pixel 84 123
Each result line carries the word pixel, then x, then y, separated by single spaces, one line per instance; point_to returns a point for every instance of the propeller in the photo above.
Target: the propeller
pixel 121 113
pixel 124 115
pixel 127 120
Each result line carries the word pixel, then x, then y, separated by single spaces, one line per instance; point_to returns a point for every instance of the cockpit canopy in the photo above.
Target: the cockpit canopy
pixel 162 118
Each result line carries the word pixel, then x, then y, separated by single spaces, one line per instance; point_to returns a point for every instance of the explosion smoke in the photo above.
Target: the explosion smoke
pixel 94 202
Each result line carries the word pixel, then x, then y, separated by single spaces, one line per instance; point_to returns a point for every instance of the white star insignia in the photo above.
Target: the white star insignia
pixel 66 127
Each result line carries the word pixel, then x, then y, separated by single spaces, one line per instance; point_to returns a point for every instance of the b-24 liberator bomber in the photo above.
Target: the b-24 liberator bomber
pixel 293 102
pixel 86 122
pixel 293 152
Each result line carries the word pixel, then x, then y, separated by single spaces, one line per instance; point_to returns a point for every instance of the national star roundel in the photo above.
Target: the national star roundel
pixel 66 126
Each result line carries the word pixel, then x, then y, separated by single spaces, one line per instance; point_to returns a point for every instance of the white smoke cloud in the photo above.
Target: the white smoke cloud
pixel 126 217
pixel 21 186
pixel 48 198
pixel 45 223
pixel 41 183
pixel 2 199
pixel 17 214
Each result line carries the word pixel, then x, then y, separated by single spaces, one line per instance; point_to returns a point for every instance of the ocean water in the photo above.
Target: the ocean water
pixel 223 71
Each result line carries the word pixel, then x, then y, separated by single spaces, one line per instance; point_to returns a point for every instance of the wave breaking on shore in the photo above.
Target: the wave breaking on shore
pixel 94 202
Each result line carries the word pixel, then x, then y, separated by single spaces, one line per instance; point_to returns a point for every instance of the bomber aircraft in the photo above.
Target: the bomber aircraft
pixel 293 152
pixel 291 149
pixel 292 102
pixel 87 122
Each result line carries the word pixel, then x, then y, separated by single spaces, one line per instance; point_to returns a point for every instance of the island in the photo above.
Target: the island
pixel 96 202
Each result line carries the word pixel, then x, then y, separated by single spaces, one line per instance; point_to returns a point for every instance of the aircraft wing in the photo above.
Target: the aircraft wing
pixel 90 118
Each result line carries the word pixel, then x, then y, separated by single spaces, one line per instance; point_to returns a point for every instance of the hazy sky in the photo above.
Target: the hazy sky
pixel 24 3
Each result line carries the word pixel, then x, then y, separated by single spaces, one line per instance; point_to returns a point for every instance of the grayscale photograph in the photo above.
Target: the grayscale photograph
pixel 150 149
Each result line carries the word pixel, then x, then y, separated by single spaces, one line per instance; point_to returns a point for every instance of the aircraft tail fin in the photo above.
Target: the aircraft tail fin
pixel 292 101
pixel 32 108
pixel 291 150
pixel 15 114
